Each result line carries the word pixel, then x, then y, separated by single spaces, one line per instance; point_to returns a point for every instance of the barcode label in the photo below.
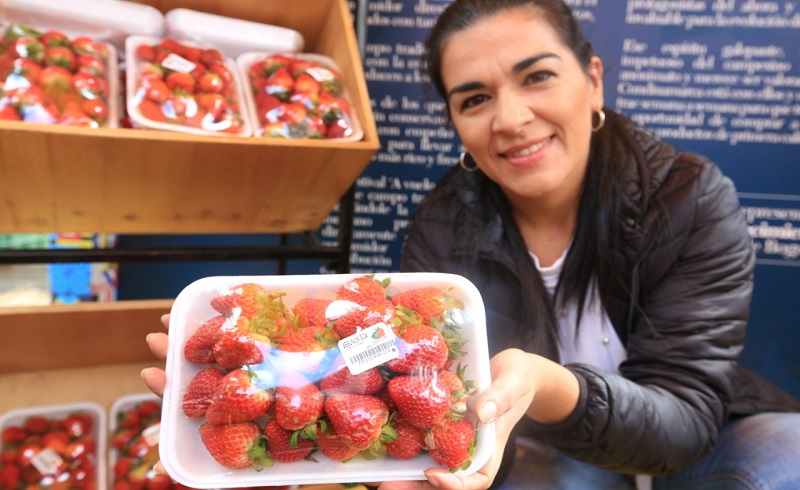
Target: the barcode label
pixel 47 461
pixel 369 348
pixel 177 63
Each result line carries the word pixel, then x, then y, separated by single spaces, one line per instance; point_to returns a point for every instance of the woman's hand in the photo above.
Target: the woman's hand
pixel 155 378
pixel 505 402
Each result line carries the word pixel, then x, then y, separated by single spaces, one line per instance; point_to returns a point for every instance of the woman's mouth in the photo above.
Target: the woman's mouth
pixel 528 150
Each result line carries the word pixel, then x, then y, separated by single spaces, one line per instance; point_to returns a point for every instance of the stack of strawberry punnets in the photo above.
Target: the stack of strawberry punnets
pixel 50 452
pixel 272 386
pixel 298 98
pixel 186 86
pixel 47 78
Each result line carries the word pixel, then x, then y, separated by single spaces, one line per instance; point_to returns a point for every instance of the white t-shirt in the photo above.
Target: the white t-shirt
pixel 596 343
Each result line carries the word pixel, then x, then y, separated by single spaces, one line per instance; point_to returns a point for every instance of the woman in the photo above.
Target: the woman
pixel 616 272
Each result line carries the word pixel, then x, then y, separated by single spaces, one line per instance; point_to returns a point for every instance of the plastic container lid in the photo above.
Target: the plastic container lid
pixel 182 452
pixel 232 36
pixel 106 20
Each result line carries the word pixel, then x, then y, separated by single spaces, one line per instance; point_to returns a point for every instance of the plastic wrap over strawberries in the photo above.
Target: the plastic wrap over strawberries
pixel 283 380
pixel 48 77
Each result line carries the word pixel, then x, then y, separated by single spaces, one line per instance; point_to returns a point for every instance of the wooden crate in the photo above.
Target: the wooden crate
pixel 60 179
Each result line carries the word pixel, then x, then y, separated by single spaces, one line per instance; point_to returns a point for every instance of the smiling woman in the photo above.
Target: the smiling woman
pixel 616 270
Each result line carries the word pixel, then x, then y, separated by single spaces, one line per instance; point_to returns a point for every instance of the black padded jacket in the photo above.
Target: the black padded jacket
pixel 681 312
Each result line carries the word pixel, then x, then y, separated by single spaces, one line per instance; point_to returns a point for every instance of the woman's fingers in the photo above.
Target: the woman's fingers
pixel 165 320
pixel 155 379
pixel 158 343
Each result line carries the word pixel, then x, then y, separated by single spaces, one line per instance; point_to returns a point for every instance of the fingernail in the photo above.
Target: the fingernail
pixel 432 479
pixel 142 373
pixel 147 337
pixel 487 412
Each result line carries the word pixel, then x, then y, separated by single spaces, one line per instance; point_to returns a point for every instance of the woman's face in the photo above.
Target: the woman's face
pixel 522 104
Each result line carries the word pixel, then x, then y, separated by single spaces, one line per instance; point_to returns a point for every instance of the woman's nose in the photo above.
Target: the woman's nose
pixel 513 112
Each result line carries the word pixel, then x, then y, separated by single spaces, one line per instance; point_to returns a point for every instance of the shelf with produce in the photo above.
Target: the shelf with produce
pixel 140 181
pixel 132 181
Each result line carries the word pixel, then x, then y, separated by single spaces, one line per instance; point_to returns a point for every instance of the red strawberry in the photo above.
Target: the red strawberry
pixel 422 400
pixel 280 83
pixel 309 339
pixel 311 312
pixel 306 83
pixel 239 397
pixel 451 443
pixel 10 476
pixel 249 298
pixel 199 392
pixel 298 402
pixel 237 346
pixel 379 311
pixel 12 435
pixel 235 445
pixel 428 302
pixel 60 56
pixel 410 441
pixel 341 380
pixel 283 446
pixel 210 83
pixel 54 38
pixel 84 44
pixel 180 81
pixel 335 447
pixel 36 424
pixel 29 47
pixel 422 350
pixel 199 348
pixel 358 419
pixel 363 290
pixel 339 127
pixel 460 389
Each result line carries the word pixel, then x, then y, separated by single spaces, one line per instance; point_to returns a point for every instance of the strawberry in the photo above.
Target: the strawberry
pixel 248 298
pixel 152 111
pixel 428 302
pixel 460 389
pixel 451 443
pixel 238 398
pixel 211 56
pixel 335 447
pixel 422 400
pixel 309 339
pixel 180 81
pixel 410 441
pixel 280 83
pixel 298 402
pixel 306 83
pixel 29 47
pixel 12 434
pixel 200 391
pixel 358 419
pixel 210 83
pixel 311 312
pixel 92 64
pixel 379 311
pixel 10 476
pixel 235 445
pixel 36 424
pixel 283 446
pixel 8 113
pixel 363 290
pixel 85 44
pixel 340 127
pixel 237 346
pixel 53 38
pixel 60 56
pixel 145 52
pixel 199 348
pixel 341 380
pixel 422 350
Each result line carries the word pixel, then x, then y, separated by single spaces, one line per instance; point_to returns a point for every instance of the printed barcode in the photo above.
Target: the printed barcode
pixel 371 353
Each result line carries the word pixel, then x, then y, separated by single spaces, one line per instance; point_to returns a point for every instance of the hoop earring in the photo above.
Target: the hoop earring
pixel 462 163
pixel 601 121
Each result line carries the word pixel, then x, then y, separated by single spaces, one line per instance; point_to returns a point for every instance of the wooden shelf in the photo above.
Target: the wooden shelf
pixel 65 179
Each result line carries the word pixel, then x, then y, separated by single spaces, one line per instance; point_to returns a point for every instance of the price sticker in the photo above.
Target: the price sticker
pixel 369 348
pixel 178 63
pixel 47 461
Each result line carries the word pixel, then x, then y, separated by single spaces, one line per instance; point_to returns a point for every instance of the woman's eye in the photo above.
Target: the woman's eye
pixel 472 101
pixel 539 76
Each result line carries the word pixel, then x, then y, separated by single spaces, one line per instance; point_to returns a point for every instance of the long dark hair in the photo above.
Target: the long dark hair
pixel 598 224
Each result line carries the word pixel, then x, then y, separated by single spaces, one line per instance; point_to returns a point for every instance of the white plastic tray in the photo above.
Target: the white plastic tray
pixel 17 417
pixel 131 77
pixel 245 60
pixel 181 450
